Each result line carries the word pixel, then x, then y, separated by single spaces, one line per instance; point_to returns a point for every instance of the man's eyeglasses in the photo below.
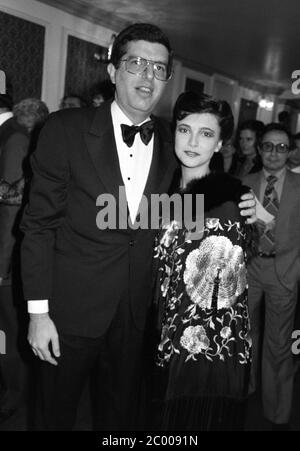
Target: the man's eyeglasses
pixel 269 147
pixel 137 65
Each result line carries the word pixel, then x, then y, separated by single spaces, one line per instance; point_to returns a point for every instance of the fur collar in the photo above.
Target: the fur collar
pixel 217 188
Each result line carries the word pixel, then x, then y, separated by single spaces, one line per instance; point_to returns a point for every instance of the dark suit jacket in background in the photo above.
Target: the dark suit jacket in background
pixel 14 144
pixel 287 229
pixel 82 270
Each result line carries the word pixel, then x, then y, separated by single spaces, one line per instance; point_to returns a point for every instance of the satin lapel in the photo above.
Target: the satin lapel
pixel 163 164
pixel 101 146
pixel 287 204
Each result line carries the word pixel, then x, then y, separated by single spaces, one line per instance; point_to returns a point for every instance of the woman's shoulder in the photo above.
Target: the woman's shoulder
pixel 219 189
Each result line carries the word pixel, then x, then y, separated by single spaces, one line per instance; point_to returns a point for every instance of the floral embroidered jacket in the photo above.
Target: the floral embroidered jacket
pixel 201 294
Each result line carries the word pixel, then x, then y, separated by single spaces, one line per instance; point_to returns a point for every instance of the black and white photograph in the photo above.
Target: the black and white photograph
pixel 149 218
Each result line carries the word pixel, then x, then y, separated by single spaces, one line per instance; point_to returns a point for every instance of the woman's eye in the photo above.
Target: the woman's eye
pixel 207 134
pixel 182 130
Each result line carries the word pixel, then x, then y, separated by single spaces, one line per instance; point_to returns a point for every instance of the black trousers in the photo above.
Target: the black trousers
pixel 116 361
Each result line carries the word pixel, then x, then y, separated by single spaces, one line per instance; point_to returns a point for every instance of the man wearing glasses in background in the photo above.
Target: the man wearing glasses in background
pixel 97 282
pixel 274 274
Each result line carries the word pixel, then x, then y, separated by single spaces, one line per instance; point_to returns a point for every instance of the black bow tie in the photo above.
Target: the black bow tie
pixel 145 130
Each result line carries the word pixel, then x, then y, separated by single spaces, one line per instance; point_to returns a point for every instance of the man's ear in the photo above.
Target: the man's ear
pixel 112 73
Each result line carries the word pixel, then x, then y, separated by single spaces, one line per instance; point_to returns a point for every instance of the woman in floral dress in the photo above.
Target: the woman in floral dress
pixel 204 351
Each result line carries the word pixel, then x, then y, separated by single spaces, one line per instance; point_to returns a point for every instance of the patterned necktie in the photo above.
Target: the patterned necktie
pixel 145 130
pixel 271 204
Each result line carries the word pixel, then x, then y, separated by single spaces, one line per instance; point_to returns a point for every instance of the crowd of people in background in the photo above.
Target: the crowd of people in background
pixel 243 157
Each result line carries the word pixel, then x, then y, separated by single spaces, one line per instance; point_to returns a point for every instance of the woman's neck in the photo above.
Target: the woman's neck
pixel 188 174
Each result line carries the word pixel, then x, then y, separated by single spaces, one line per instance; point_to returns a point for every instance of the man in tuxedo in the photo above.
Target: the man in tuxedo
pixel 274 274
pixel 14 143
pixel 89 289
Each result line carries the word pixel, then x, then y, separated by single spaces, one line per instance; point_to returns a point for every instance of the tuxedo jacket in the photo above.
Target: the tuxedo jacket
pixel 14 144
pixel 66 258
pixel 287 228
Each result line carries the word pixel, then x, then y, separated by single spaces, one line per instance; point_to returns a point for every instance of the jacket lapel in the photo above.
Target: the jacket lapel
pixel 101 146
pixel 256 182
pixel 287 204
pixel 102 149
pixel 163 163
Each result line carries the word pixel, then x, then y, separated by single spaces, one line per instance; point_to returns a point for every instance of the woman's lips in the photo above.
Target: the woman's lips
pixel 191 154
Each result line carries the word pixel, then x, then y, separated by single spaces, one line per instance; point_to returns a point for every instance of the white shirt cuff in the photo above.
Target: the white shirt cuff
pixel 38 306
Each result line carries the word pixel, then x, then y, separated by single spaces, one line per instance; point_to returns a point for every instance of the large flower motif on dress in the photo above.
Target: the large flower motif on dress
pixel 215 273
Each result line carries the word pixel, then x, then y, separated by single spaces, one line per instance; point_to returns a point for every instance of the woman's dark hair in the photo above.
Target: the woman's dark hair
pixel 193 103
pixel 138 32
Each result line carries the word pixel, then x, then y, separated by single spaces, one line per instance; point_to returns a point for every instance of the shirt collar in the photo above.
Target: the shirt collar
pixel 119 117
pixel 5 116
pixel 280 174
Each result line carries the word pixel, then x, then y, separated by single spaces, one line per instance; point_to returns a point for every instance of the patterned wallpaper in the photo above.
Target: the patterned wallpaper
pixel 21 55
pixel 83 71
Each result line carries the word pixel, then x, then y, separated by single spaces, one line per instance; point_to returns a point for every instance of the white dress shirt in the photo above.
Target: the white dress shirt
pixel 134 161
pixel 134 164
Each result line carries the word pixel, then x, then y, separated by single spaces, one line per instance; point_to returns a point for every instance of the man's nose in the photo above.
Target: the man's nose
pixel 149 71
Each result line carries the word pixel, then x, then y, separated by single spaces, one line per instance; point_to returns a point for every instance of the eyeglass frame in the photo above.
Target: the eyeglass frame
pixel 140 58
pixel 275 146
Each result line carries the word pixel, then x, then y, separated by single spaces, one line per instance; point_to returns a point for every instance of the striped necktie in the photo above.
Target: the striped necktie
pixel 271 204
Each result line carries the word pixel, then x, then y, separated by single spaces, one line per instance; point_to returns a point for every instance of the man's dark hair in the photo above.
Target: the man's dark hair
pixel 297 136
pixel 275 127
pixel 138 32
pixel 193 103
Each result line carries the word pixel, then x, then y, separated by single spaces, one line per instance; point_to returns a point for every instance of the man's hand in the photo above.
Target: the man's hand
pixel 41 333
pixel 248 207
